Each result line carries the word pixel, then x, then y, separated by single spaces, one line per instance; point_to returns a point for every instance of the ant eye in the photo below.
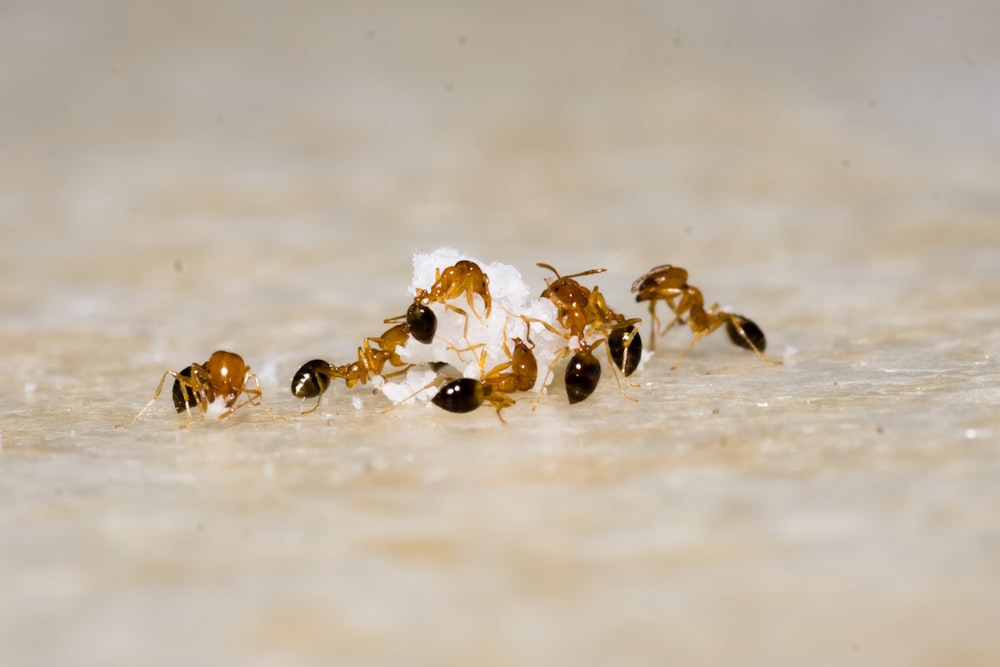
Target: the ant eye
pixel 312 379
pixel 582 375
pixel 422 322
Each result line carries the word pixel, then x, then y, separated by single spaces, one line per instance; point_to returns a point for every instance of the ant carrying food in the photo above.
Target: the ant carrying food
pixel 494 387
pixel 578 311
pixel 669 284
pixel 463 277
pixel 313 377
pixel 218 383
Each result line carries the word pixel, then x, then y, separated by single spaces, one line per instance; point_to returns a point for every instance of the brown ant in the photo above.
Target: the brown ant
pixel 224 376
pixel 494 387
pixel 577 309
pixel 463 277
pixel 313 377
pixel 669 284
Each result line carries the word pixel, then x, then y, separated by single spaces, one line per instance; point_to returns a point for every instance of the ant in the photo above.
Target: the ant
pixel 494 387
pixel 224 376
pixel 464 277
pixel 577 309
pixel 313 377
pixel 584 370
pixel 669 284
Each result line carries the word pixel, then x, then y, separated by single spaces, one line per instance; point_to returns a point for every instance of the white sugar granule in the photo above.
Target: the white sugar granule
pixel 473 344
pixel 217 409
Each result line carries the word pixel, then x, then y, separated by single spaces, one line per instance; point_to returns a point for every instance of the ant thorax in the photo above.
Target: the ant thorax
pixel 468 339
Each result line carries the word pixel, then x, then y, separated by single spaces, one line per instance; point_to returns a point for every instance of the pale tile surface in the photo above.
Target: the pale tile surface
pixel 183 177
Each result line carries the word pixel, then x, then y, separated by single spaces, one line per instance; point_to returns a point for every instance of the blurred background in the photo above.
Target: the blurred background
pixel 178 177
pixel 309 148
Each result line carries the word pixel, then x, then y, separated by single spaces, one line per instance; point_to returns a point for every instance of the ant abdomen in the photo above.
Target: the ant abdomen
pixel 422 322
pixel 625 345
pixel 312 379
pixel 184 397
pixel 582 375
pixel 460 395
pixel 752 336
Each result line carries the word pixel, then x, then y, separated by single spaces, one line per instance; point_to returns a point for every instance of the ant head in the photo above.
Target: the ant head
pixel 664 276
pixel 520 342
pixel 561 283
pixel 226 366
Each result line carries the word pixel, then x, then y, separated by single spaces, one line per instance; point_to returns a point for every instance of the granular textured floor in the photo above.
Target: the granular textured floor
pixel 178 178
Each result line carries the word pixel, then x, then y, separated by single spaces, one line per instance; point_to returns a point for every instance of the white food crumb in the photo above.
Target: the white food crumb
pixel 417 383
pixel 217 409
pixel 481 349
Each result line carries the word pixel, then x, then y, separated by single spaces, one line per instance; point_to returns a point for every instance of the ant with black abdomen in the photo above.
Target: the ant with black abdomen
pixel 494 387
pixel 669 284
pixel 463 277
pixel 224 377
pixel 579 310
pixel 314 377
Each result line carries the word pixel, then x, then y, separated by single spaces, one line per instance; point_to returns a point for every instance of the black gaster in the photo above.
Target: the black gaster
pixel 422 322
pixel 625 345
pixel 312 379
pixel 461 395
pixel 184 396
pixel 752 331
pixel 582 375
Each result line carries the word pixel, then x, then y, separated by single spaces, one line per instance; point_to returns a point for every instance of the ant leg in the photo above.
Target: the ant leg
pixel 457 351
pixel 654 325
pixel 715 320
pixel 694 342
pixel 456 309
pixel 677 320
pixel 501 401
pixel 254 395
pixel 472 306
pixel 398 372
pixel 548 372
pixel 677 308
pixel 618 372
pixel 189 416
pixel 552 329
pixel 156 394
pixel 319 399
pixel 433 383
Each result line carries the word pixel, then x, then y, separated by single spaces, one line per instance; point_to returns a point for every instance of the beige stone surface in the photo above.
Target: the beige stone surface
pixel 181 177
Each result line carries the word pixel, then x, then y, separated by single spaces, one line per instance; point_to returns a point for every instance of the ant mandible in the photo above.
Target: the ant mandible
pixel 313 377
pixel 494 387
pixel 224 377
pixel 669 284
pixel 463 277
